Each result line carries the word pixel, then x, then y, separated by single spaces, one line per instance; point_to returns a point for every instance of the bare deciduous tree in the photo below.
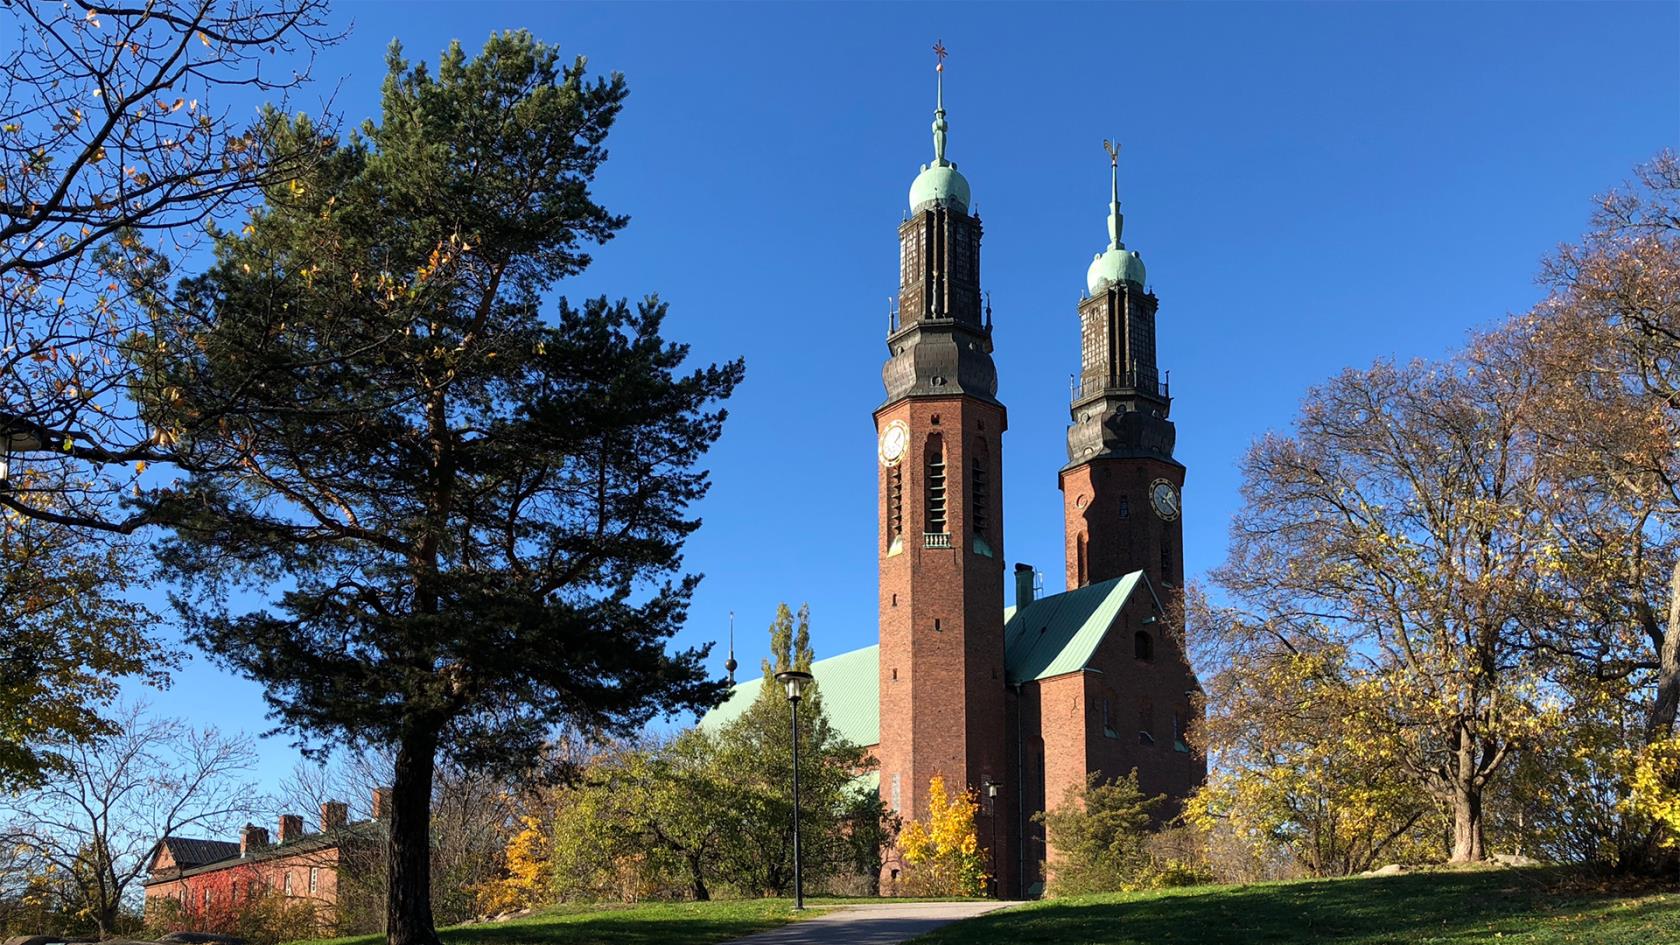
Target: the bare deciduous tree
pixel 1606 346
pixel 120 138
pixel 95 827
pixel 1389 560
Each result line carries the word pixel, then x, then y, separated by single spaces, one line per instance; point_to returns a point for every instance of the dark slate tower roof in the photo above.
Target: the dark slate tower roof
pixel 1120 400
pixel 940 340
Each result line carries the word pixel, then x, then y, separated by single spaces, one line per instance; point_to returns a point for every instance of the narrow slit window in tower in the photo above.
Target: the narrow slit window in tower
pixel 979 491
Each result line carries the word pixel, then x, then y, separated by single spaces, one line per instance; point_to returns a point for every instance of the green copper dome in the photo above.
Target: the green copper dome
pixel 1116 265
pixel 936 183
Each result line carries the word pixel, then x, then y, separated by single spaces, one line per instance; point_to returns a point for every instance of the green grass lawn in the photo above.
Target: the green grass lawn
pixel 1529 906
pixel 664 923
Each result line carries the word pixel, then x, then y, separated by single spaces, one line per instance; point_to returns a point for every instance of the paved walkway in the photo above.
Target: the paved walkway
pixel 886 923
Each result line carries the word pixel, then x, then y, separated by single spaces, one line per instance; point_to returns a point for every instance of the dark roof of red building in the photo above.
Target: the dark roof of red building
pixel 227 854
pixel 189 852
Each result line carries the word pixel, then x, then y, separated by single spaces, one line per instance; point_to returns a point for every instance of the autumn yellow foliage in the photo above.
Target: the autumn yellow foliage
pixel 943 850
pixel 1654 791
pixel 526 872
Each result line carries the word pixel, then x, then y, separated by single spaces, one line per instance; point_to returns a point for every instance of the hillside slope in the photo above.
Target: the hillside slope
pixel 1511 907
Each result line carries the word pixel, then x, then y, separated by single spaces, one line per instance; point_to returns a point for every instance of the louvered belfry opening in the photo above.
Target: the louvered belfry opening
pixel 936 524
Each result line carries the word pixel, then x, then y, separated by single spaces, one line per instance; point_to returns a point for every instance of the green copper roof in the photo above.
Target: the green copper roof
pixel 1052 636
pixel 1114 265
pixel 939 184
pixel 850 684
pixel 1057 634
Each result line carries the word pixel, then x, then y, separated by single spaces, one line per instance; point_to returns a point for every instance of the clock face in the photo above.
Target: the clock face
pixel 1164 498
pixel 895 440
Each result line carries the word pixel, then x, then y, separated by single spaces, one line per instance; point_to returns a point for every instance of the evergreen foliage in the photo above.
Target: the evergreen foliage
pixel 469 517
pixel 1100 833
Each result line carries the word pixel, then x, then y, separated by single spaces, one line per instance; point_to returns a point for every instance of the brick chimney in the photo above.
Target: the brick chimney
pixel 334 816
pixel 381 803
pixel 252 839
pixel 291 827
pixel 1023 586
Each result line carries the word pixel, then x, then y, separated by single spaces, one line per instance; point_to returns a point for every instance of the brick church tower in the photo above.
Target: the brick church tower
pixel 940 505
pixel 1121 486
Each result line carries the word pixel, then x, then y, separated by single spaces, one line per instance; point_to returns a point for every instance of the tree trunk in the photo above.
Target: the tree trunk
pixel 105 919
pixel 1639 850
pixel 408 902
pixel 1468 844
pixel 697 880
pixel 1659 723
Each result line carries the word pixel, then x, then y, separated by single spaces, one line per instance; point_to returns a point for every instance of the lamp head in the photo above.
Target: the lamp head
pixel 794 681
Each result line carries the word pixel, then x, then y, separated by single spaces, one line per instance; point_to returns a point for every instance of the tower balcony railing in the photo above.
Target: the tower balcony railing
pixel 1128 381
pixel 936 539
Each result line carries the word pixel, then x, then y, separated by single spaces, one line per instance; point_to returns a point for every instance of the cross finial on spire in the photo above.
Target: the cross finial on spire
pixel 939 125
pixel 939 53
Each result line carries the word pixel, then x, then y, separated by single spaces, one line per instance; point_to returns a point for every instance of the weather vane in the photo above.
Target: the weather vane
pixel 1113 149
pixel 940 54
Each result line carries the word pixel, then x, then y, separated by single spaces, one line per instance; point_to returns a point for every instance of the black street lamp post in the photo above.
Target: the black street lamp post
pixel 795 682
pixel 991 802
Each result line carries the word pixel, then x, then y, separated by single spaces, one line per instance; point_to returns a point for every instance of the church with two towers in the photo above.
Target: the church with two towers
pixel 1017 703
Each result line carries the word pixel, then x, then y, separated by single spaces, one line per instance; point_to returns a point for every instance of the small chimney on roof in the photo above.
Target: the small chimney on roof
pixel 291 827
pixel 381 803
pixel 334 816
pixel 1023 586
pixel 252 839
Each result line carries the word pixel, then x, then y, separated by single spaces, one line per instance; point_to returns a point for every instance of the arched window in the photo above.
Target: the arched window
pixel 1166 562
pixel 979 493
pixel 935 485
pixel 1080 572
pixel 1143 645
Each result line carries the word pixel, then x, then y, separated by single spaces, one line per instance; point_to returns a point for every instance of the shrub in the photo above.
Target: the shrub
pixel 1099 835
pixel 943 852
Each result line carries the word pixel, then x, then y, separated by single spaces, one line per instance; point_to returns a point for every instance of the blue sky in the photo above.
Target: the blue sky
pixel 1313 186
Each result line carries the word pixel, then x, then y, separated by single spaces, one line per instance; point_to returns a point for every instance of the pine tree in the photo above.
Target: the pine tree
pixel 1099 832
pixel 469 519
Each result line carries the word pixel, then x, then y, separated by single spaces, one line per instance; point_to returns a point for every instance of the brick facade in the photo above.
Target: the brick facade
pixel 952 702
pixel 941 610
pixel 210 881
pixel 1110 527
pixel 205 897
